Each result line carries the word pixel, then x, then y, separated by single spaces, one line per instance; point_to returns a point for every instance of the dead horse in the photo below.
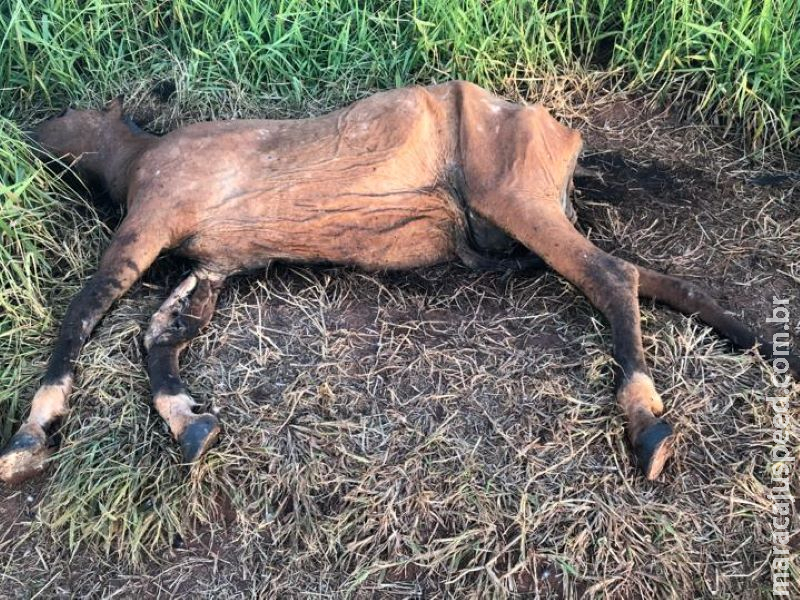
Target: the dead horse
pixel 401 179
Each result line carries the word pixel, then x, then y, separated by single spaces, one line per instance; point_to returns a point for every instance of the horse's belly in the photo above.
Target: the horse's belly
pixel 388 232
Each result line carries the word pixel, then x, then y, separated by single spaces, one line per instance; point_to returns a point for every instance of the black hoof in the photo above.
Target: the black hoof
pixel 653 447
pixel 198 437
pixel 24 456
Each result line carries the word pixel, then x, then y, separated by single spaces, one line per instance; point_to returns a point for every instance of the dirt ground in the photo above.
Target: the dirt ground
pixel 442 433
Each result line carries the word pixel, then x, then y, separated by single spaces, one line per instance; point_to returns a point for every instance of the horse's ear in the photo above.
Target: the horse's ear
pixel 114 108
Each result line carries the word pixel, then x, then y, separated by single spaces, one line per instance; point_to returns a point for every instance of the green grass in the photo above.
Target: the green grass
pixel 738 62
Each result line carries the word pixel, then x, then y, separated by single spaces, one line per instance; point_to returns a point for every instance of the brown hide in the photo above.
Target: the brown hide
pixel 383 183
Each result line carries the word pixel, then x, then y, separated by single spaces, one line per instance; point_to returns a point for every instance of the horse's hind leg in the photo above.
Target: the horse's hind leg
pixel 611 285
pixel 693 300
pixel 132 250
pixel 188 309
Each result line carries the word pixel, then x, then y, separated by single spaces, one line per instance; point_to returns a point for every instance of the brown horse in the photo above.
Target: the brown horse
pixel 402 179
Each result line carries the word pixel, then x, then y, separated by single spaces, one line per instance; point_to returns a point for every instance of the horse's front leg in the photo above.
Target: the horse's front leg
pixel 187 310
pixel 131 251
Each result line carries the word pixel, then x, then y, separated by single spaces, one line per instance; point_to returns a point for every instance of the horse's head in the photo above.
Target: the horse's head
pixel 79 136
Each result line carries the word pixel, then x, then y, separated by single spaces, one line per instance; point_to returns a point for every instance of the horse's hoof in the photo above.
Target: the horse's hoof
pixel 24 455
pixel 198 437
pixel 653 446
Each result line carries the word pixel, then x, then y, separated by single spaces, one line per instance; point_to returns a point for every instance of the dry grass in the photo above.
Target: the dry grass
pixel 440 433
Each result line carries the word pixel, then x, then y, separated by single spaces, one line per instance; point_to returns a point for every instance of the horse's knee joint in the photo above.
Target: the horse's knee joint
pixel 612 272
pixel 625 273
